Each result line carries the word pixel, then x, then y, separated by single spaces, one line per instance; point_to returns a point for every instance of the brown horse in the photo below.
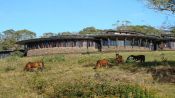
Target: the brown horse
pixel 30 66
pixel 119 59
pixel 102 63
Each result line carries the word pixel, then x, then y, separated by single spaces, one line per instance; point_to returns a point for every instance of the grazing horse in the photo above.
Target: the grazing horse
pixel 30 66
pixel 136 58
pixel 102 63
pixel 119 59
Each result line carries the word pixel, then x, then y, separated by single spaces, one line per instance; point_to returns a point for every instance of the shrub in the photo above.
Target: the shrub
pixel 38 84
pixel 83 60
pixel 92 89
pixel 17 53
pixel 9 68
pixel 57 58
pixel 12 59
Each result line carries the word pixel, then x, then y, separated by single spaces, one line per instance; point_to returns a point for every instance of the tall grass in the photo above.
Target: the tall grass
pixel 91 89
pixel 67 75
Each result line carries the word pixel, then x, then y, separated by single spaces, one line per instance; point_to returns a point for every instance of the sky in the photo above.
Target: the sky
pixel 41 16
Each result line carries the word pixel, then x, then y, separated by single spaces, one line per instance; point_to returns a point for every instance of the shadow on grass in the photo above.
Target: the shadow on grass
pixel 156 63
pixel 160 71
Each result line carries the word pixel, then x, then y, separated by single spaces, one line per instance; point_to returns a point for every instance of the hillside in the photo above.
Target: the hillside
pixel 74 72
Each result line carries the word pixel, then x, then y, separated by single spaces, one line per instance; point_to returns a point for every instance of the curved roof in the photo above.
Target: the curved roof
pixel 108 33
pixel 61 37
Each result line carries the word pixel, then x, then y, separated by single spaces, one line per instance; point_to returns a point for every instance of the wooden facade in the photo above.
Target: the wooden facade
pixel 108 41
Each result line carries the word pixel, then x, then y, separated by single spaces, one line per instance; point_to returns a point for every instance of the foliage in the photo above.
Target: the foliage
pixel 17 53
pixel 9 68
pixel 24 35
pixel 66 33
pixel 162 5
pixel 55 58
pixel 48 34
pixel 10 37
pixel 100 89
pixel 90 30
pixel 38 83
pixel 12 59
pixel 172 29
pixel 71 74
pixel 148 30
pixel 164 59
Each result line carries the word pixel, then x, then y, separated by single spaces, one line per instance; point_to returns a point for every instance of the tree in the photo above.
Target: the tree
pixel 10 37
pixel 122 24
pixel 172 30
pixel 8 34
pixel 162 5
pixel 90 30
pixel 65 33
pixel 24 35
pixel 48 34
pixel 148 30
pixel 8 40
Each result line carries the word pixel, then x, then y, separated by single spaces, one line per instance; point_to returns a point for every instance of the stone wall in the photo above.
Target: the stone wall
pixel 65 50
pixel 122 48
pixel 57 50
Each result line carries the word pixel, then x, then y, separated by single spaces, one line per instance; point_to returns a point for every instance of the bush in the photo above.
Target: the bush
pixel 92 89
pixel 83 60
pixel 12 59
pixel 52 59
pixel 9 68
pixel 17 53
pixel 38 84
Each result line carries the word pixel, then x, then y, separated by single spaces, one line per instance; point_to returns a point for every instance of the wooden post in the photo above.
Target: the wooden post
pixel 125 42
pixel 133 41
pixel 116 42
pixel 151 45
pixel 108 42
pixel 146 43
pixel 101 44
pixel 87 46
pixel 140 42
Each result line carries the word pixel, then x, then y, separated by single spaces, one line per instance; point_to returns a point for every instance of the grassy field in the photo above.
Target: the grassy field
pixel 75 72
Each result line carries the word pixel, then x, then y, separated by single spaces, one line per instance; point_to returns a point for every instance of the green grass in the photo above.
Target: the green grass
pixel 72 71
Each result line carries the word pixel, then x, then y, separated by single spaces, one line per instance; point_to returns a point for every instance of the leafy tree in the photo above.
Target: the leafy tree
pixel 9 40
pixel 66 33
pixel 172 29
pixel 89 30
pixel 162 5
pixel 8 44
pixel 148 30
pixel 24 35
pixel 48 34
pixel 8 34
pixel 10 37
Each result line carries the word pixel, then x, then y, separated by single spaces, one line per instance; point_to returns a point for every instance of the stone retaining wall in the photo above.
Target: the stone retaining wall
pixel 122 48
pixel 57 50
pixel 64 50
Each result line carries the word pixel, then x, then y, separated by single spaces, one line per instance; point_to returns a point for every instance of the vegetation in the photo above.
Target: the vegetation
pixel 48 34
pixel 10 37
pixel 172 29
pixel 90 30
pixel 73 75
pixel 148 30
pixel 162 5
pixel 66 33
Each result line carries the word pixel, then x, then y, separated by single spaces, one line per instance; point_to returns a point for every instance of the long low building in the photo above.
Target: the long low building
pixel 110 40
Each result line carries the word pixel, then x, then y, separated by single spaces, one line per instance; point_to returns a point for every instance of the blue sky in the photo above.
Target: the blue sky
pixel 56 16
